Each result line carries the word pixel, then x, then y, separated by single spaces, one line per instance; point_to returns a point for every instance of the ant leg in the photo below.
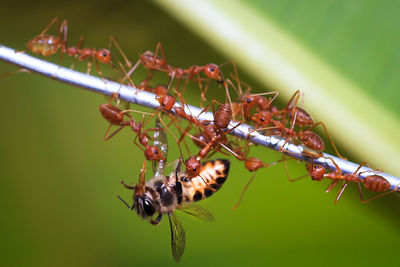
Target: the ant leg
pixel 203 94
pixel 329 136
pixel 228 95
pixel 344 186
pixel 127 186
pixel 13 72
pixel 337 166
pixel 98 69
pixel 203 90
pixel 364 163
pixel 78 45
pixel 142 181
pixel 287 171
pixel 170 81
pixel 143 85
pixel 213 105
pixel 55 20
pixel 89 67
pixel 167 128
pixel 364 201
pixel 159 47
pixel 137 111
pixel 157 220
pixel 332 185
pixel 293 102
pixel 63 28
pixel 128 75
pixel 244 190
pixel 114 41
pixel 108 137
pixel 183 134
pixel 126 204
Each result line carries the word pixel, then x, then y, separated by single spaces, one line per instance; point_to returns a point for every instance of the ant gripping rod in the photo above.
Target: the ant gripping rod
pixel 147 99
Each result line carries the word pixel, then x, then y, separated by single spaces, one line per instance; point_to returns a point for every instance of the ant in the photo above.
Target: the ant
pixel 250 101
pixel 298 117
pixel 252 164
pixel 47 45
pixel 375 183
pixel 152 61
pixel 115 116
pixel 215 135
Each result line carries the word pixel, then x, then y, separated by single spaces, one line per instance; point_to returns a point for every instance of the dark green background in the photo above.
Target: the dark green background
pixel 59 179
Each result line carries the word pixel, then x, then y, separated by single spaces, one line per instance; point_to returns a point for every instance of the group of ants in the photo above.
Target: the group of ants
pixel 291 123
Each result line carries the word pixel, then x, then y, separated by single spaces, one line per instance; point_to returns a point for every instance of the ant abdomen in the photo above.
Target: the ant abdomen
pixel 111 113
pixel 312 141
pixel 45 45
pixel 223 116
pixel 303 118
pixel 253 164
pixel 376 183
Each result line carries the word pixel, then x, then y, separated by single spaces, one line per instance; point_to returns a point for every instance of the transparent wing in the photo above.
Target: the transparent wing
pixel 160 141
pixel 177 237
pixel 198 212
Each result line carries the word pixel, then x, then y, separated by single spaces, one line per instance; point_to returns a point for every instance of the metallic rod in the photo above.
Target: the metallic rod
pixel 147 99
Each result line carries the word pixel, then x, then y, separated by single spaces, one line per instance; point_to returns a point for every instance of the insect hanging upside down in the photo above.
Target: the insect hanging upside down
pixel 164 194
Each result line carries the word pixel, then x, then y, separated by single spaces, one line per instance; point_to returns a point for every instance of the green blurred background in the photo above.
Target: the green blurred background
pixel 59 179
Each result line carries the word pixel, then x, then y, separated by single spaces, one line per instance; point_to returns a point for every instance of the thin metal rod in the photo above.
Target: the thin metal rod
pixel 147 99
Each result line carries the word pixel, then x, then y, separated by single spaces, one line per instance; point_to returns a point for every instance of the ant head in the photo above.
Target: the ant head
pixel 104 56
pixel 193 167
pixel 253 164
pixel 248 100
pixel 153 153
pixel 262 118
pixel 213 72
pixel 166 101
pixel 316 171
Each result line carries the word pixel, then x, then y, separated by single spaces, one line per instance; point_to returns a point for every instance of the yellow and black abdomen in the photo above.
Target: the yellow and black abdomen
pixel 212 176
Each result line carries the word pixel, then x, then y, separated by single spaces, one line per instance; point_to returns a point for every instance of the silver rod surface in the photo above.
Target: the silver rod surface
pixel 147 99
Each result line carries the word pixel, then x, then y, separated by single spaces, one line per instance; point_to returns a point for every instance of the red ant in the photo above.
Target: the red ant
pixel 375 183
pixel 215 136
pixel 308 138
pixel 251 164
pixel 250 101
pixel 47 45
pixel 152 61
pixel 115 116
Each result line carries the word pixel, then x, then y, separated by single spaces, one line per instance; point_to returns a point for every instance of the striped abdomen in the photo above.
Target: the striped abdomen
pixel 376 183
pixel 212 176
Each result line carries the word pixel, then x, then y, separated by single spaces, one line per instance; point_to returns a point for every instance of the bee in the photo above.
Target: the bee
pixel 165 194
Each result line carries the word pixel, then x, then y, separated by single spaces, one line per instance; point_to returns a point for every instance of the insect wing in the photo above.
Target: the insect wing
pixel 160 141
pixel 177 237
pixel 198 212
